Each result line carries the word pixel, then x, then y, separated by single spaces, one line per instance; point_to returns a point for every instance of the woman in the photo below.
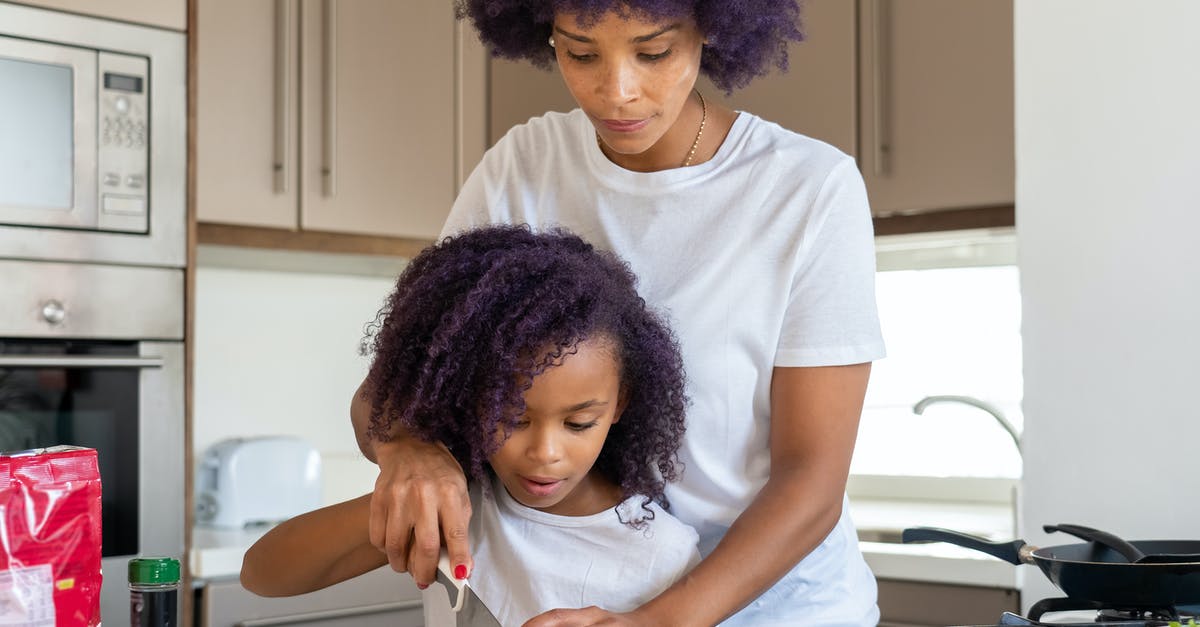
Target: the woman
pixel 754 240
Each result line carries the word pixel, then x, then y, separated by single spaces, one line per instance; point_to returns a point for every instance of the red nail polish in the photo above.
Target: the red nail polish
pixel 460 571
pixel 422 586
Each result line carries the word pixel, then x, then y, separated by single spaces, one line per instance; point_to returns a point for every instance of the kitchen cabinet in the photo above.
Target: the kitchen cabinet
pixel 822 69
pixel 381 598
pixel 332 116
pixel 936 105
pixel 910 604
pixel 921 92
pixel 164 13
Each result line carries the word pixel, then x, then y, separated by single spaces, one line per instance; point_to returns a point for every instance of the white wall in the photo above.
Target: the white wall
pixel 277 353
pixel 1108 222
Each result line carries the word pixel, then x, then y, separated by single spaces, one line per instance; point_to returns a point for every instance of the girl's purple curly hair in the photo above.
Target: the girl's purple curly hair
pixel 746 38
pixel 476 317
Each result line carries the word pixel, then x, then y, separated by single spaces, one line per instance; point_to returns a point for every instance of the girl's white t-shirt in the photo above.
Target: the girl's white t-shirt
pixel 528 562
pixel 761 257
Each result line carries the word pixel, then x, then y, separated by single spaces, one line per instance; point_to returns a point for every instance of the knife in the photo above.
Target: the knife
pixel 469 610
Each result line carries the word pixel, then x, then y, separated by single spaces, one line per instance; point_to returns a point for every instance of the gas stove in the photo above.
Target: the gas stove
pixel 1063 612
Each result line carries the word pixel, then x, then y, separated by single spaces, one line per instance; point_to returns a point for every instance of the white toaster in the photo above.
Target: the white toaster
pixel 265 479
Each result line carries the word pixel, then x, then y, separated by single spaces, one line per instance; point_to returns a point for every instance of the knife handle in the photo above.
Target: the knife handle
pixel 447 579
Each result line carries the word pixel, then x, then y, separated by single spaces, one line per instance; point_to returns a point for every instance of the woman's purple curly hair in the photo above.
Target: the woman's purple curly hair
pixel 746 38
pixel 476 317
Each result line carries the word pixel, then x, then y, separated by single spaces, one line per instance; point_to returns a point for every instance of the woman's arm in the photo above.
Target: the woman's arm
pixel 312 551
pixel 420 499
pixel 814 424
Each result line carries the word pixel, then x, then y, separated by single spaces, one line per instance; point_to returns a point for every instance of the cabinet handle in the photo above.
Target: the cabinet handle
pixel 350 612
pixel 283 92
pixel 329 115
pixel 880 84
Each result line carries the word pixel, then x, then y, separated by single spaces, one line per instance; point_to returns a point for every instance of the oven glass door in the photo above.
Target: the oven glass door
pixel 83 393
pixel 48 125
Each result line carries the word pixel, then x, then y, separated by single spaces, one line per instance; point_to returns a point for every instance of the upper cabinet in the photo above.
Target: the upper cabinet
pixel 817 96
pixel 163 13
pixel 920 91
pixel 334 116
pixel 936 106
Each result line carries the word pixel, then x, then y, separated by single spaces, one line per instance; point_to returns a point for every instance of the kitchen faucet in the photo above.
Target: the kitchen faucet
pixel 919 409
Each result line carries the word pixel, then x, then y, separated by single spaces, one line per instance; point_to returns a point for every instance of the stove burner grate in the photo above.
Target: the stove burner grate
pixel 1149 616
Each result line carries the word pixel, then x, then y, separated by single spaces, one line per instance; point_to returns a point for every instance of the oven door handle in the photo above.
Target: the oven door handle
pixel 78 361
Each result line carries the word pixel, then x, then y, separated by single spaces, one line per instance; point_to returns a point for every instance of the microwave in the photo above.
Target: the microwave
pixel 93 150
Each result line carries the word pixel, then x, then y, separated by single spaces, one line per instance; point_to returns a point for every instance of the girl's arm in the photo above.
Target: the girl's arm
pixel 313 551
pixel 814 423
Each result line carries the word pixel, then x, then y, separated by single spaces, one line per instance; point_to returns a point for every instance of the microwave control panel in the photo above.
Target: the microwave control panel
pixel 123 143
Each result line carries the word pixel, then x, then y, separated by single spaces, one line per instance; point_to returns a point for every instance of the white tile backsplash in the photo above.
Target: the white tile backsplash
pixel 277 353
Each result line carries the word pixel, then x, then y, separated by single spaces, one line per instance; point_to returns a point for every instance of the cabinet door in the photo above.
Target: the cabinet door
pixel 936 80
pixel 518 91
pixel 378 149
pixel 247 112
pixel 164 13
pixel 816 96
pixel 912 603
pixel 381 598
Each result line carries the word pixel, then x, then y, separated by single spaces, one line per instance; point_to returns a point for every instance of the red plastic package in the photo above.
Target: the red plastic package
pixel 50 538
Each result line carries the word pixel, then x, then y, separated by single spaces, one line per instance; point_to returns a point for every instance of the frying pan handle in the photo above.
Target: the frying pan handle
pixel 1130 552
pixel 1007 551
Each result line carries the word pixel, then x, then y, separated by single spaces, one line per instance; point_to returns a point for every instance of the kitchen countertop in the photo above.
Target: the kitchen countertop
pixel 217 553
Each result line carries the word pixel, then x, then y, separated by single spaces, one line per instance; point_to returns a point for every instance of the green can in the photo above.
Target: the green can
pixel 153 592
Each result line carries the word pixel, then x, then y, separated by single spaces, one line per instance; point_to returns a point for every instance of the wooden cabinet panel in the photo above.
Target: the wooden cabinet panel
pixel 817 95
pixel 936 79
pixel 334 117
pixel 247 112
pixel 910 603
pixel 518 91
pixel 388 110
pixel 164 13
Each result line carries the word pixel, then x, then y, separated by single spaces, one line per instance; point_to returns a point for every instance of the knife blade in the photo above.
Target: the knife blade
pixel 469 610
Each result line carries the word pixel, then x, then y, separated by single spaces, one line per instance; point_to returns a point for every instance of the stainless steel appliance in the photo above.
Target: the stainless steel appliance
pixel 92 355
pixel 92 254
pixel 93 121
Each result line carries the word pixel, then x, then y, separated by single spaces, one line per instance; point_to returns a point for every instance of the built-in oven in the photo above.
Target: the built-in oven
pixel 92 139
pixel 92 355
pixel 93 250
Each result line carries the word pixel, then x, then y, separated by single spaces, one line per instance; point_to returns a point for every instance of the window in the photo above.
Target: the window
pixel 950 308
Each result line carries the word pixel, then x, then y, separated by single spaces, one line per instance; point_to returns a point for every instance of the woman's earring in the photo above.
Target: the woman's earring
pixel 552 41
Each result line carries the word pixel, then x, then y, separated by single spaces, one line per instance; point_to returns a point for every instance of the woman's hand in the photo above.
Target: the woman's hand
pixel 420 500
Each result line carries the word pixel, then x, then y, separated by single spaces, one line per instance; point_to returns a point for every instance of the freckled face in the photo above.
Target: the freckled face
pixel 546 463
pixel 632 78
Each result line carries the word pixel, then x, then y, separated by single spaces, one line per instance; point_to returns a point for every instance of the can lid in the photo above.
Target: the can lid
pixel 153 570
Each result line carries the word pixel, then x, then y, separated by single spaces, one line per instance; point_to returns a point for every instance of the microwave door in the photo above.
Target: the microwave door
pixel 48 122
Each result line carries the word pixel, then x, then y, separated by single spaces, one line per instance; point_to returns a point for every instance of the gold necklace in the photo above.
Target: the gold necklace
pixel 703 119
pixel 699 133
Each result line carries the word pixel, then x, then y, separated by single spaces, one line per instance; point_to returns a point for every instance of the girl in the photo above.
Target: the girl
pixel 755 240
pixel 532 359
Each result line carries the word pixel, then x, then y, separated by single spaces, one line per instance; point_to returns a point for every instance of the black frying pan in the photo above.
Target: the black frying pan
pixel 1092 571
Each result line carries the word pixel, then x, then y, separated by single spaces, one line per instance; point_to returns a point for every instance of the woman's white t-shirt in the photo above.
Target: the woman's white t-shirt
pixel 762 256
pixel 528 561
